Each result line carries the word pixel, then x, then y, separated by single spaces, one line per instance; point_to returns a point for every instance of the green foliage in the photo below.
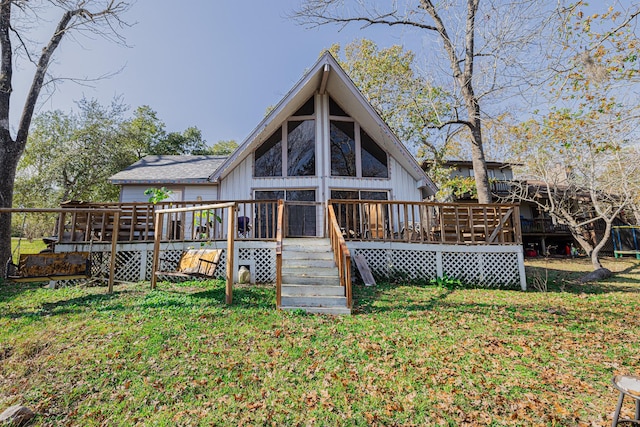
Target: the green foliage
pixel 447 282
pixel 188 142
pixel 72 155
pixel 459 186
pixel 221 148
pixel 157 195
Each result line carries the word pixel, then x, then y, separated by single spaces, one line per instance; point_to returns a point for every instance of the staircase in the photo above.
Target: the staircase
pixel 310 278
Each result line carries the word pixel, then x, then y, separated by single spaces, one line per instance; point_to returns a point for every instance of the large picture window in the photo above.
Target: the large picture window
pixel 374 158
pixel 292 145
pixel 301 154
pixel 343 149
pixel 268 157
pixel 353 152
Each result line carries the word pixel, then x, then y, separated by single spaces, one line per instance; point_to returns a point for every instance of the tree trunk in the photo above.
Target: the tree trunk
pixel 595 254
pixel 478 160
pixel 584 243
pixel 595 258
pixel 9 156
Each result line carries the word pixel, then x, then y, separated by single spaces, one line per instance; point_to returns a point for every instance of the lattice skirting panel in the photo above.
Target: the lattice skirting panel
pixel 487 265
pixel 134 261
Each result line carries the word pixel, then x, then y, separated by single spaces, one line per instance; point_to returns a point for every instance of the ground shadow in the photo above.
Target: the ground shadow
pixel 69 306
pixel 564 281
pixel 365 303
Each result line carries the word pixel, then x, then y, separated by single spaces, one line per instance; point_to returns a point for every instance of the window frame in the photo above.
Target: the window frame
pixel 284 145
pixel 357 129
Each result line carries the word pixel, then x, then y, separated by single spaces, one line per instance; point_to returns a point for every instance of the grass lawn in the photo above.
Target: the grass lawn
pixel 410 355
pixel 26 247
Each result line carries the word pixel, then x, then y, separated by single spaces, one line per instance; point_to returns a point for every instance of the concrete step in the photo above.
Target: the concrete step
pixel 306 241
pixel 308 263
pixel 298 279
pixel 291 290
pixel 292 255
pixel 313 301
pixel 321 310
pixel 306 271
pixel 310 279
pixel 306 245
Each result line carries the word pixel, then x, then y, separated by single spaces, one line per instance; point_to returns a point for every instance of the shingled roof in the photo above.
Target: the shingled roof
pixel 169 170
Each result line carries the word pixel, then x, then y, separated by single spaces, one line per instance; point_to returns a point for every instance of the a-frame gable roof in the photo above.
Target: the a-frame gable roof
pixel 327 75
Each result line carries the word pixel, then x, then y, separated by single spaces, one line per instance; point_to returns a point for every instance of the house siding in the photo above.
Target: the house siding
pixel 135 193
pixel 405 187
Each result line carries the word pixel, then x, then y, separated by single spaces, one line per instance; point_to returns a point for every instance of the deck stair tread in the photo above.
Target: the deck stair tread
pixel 310 279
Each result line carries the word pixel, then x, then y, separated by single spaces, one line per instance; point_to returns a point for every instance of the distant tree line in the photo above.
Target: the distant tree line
pixel 72 155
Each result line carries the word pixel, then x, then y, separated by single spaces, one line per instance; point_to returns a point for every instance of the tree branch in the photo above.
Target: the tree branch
pixel 67 22
pixel 6 68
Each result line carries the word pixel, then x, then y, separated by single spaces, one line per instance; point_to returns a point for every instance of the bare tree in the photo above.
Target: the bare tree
pixel 487 44
pixel 577 169
pixel 100 17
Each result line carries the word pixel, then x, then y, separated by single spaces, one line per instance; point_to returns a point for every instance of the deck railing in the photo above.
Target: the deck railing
pixel 369 220
pixel 501 187
pixel 426 222
pixel 542 225
pixel 341 253
pixel 255 220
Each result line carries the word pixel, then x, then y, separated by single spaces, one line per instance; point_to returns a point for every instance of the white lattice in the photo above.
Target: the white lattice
pixel 481 267
pixel 265 262
pixel 378 261
pixel 500 269
pixel 221 268
pixel 128 266
pixel 245 254
pixel 100 264
pixel 484 268
pixel 462 265
pixel 414 264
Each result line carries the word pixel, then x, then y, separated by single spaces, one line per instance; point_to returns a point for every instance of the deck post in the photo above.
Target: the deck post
pixel 521 270
pixel 516 224
pixel 231 230
pixel 279 237
pixel 114 247
pixel 156 248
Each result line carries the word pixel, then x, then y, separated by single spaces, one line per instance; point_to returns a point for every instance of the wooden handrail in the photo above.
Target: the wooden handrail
pixel 279 237
pixel 341 254
pixel 197 208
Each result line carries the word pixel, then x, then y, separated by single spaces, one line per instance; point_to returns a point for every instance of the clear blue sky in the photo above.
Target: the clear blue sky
pixel 216 65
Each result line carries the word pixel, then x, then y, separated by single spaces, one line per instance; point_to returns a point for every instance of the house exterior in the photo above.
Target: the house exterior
pixel 321 164
pixel 322 141
pixel 496 171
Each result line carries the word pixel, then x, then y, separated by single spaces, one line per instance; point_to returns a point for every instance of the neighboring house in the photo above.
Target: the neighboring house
pixel 322 141
pixel 500 175
pixel 541 234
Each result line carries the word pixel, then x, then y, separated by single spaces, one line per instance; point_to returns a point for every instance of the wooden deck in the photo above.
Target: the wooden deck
pixel 424 222
pixel 358 220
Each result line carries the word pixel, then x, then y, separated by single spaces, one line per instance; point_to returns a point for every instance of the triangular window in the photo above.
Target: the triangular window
pixel 293 144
